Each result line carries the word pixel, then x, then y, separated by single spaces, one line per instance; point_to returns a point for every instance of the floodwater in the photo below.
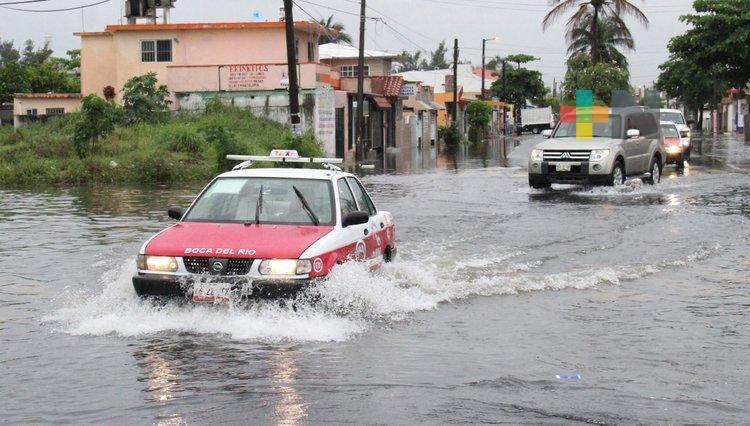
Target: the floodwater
pixel 505 304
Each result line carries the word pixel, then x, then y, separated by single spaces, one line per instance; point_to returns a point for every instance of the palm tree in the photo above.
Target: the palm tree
pixel 613 35
pixel 599 10
pixel 334 32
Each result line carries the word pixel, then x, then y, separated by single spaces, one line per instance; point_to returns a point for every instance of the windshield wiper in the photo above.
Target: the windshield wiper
pixel 259 206
pixel 306 206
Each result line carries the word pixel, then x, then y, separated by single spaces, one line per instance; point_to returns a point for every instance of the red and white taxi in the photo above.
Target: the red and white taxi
pixel 257 231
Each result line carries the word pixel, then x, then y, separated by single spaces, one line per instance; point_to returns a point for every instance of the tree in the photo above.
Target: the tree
pixel 8 52
pixel 33 56
pixel 334 32
pixel 519 85
pixel 437 59
pixel 97 119
pixel 520 58
pixel 143 100
pixel 598 10
pixel 408 61
pixel 479 115
pixel 14 78
pixel 691 84
pixel 601 78
pixel 719 37
pixel 613 35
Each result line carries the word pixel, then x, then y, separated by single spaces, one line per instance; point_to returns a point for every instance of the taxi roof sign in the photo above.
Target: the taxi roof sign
pixel 280 156
pixel 284 153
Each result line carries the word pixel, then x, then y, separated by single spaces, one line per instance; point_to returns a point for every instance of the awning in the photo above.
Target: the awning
pixel 418 105
pixel 381 102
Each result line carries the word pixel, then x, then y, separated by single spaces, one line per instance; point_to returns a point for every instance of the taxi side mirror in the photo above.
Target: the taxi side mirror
pixel 176 213
pixel 354 218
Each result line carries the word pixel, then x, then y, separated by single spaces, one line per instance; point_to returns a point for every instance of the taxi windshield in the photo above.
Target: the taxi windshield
pixel 265 200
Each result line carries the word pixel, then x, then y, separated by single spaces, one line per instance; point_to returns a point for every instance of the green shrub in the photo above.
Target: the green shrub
pixel 181 138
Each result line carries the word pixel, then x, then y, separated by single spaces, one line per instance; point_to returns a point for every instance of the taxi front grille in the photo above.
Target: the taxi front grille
pixel 238 266
pixel 202 265
pixel 567 155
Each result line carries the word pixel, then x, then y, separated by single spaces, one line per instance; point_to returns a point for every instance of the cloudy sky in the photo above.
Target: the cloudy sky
pixel 403 24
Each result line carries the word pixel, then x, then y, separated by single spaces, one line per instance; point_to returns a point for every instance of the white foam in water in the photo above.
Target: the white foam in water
pixel 347 304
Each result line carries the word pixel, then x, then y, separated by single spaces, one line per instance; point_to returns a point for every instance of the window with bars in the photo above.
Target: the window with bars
pixel 55 111
pixel 156 51
pixel 351 70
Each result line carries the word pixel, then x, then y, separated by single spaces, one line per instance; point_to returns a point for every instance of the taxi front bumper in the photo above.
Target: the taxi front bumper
pixel 181 286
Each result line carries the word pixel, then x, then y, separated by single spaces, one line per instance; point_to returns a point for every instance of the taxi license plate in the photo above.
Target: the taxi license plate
pixel 212 292
pixel 562 167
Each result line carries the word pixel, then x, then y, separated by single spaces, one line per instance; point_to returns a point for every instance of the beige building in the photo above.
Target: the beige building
pixel 31 107
pixel 215 57
pixel 344 59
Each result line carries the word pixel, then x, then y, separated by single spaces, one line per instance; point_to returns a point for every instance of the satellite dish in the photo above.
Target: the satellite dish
pixel 257 16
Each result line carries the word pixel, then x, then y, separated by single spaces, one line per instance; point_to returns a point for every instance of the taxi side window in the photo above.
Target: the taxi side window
pixel 365 204
pixel 348 205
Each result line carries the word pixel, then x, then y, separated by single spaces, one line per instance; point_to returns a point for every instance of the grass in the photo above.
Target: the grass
pixel 185 148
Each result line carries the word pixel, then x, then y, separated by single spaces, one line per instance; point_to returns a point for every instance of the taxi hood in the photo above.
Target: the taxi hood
pixel 235 240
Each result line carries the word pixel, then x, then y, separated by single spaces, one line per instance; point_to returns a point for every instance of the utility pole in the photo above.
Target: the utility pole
pixel 291 59
pixel 505 114
pixel 455 81
pixel 484 43
pixel 359 148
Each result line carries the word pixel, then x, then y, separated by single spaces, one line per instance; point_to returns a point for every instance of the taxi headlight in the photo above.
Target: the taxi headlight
pixel 285 267
pixel 674 149
pixel 537 154
pixel 156 263
pixel 599 154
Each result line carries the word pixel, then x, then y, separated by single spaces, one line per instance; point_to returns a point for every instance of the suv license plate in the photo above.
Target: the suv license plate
pixel 562 167
pixel 212 292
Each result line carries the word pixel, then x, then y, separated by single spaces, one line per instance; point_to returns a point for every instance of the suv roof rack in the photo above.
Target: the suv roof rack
pixel 283 156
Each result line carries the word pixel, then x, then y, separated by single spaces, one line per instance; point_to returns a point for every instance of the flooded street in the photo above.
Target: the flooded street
pixel 505 304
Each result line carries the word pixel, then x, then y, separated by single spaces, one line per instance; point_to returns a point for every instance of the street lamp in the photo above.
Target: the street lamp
pixel 484 42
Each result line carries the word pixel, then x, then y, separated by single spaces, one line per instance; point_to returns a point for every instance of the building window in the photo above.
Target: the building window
pixel 156 51
pixel 296 51
pixel 351 70
pixel 32 112
pixel 310 52
pixel 55 111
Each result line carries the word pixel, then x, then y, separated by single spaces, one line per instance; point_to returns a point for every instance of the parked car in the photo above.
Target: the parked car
pixel 676 151
pixel 627 144
pixel 264 231
pixel 675 116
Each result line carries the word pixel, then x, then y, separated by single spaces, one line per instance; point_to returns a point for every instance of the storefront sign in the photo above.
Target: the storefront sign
pixel 253 77
pixel 408 89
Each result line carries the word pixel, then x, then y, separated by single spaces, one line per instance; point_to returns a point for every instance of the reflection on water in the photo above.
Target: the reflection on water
pixel 291 408
pixel 468 155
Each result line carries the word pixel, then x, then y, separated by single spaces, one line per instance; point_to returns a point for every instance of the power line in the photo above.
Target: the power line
pixel 22 2
pixel 54 10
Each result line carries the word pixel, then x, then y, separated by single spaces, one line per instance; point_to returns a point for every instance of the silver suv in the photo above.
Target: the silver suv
pixel 628 143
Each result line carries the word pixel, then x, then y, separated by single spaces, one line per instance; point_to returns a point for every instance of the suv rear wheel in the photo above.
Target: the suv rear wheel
pixel 617 177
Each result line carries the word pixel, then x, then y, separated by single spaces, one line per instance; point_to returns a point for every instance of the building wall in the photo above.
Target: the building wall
pixel 21 105
pixel 114 57
pixel 378 66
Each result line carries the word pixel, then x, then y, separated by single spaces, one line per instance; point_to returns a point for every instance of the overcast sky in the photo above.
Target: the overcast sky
pixel 408 24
